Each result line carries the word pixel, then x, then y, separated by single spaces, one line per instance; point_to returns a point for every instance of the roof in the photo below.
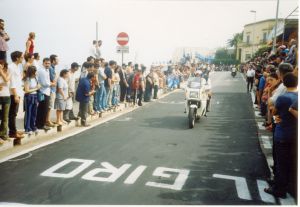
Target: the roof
pixel 266 20
pixel 269 20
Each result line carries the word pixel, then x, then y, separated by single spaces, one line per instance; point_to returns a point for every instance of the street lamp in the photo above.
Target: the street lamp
pixel 253 11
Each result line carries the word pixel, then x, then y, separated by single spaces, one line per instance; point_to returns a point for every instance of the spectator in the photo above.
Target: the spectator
pixel 36 61
pixel 4 101
pixel 3 45
pixel 250 78
pixel 91 110
pixel 156 83
pixel 138 87
pixel 68 114
pixel 109 82
pixel 31 86
pixel 292 54
pixel 44 94
pixel 53 79
pixel 29 61
pixel 285 138
pixel 149 86
pixel 101 92
pixel 116 86
pixel 82 96
pixel 62 95
pixel 123 83
pixel 95 49
pixel 129 77
pixel 16 92
pixel 30 44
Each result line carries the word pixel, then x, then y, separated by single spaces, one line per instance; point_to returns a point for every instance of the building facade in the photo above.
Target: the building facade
pixel 255 36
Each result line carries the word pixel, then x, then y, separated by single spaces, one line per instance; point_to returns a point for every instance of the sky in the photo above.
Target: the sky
pixel 155 27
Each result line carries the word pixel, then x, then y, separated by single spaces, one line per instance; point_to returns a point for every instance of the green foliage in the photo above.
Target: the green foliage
pixel 223 57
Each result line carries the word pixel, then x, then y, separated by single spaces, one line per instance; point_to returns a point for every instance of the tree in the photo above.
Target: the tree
pixel 222 56
pixel 238 37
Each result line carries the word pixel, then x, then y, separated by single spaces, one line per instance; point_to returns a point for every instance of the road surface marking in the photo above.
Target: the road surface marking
pixel 260 126
pixel 265 197
pixel 289 200
pixel 240 184
pixel 51 171
pixel 135 174
pixel 23 158
pixel 265 137
pixel 179 181
pixel 267 145
pixel 115 173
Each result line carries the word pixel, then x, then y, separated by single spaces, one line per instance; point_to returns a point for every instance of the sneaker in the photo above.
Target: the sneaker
pixel 85 125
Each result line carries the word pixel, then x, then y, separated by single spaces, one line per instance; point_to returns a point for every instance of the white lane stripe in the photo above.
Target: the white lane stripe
pixel 265 197
pixel 289 200
pixel 267 146
pixel 260 125
pixel 135 174
pixel 253 97
pixel 265 137
pixel 240 184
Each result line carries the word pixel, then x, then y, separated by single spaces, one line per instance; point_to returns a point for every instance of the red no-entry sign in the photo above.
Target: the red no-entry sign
pixel 122 38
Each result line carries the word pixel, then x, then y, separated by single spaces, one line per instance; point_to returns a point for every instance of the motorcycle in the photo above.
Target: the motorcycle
pixel 196 99
pixel 233 74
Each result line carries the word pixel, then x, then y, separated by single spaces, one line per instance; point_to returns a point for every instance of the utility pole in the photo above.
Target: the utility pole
pixel 253 36
pixel 276 24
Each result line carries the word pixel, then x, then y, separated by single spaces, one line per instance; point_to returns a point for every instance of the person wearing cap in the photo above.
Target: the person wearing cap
pixel 68 114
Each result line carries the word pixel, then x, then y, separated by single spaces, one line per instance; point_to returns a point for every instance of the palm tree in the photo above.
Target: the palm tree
pixel 238 37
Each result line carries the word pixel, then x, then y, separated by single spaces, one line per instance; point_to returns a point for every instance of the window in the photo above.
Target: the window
pixel 248 57
pixel 264 37
pixel 248 39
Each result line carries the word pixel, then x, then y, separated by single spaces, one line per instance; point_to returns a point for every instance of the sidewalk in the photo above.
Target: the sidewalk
pixel 266 142
pixel 15 145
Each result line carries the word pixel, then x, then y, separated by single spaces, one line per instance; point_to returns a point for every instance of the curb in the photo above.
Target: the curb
pixel 70 129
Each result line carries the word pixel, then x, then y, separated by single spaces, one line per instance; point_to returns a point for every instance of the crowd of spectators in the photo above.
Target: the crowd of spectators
pixel 98 85
pixel 275 77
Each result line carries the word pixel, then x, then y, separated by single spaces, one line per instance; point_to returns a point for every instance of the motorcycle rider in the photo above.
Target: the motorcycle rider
pixel 207 83
pixel 233 71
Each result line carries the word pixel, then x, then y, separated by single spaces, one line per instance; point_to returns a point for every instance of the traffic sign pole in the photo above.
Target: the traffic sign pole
pixel 122 40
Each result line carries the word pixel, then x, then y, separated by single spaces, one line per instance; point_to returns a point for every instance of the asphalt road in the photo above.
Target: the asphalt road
pixel 160 160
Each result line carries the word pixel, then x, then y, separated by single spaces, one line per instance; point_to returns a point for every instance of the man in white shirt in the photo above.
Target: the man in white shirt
pixel 68 114
pixel 16 93
pixel 283 69
pixel 43 107
pixel 250 78
pixel 95 49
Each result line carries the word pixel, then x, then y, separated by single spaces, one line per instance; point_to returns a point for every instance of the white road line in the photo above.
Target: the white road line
pixel 265 197
pixel 253 97
pixel 135 174
pixel 267 146
pixel 260 125
pixel 240 184
pixel 264 137
pixel 51 171
pixel 289 200
pixel 257 113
